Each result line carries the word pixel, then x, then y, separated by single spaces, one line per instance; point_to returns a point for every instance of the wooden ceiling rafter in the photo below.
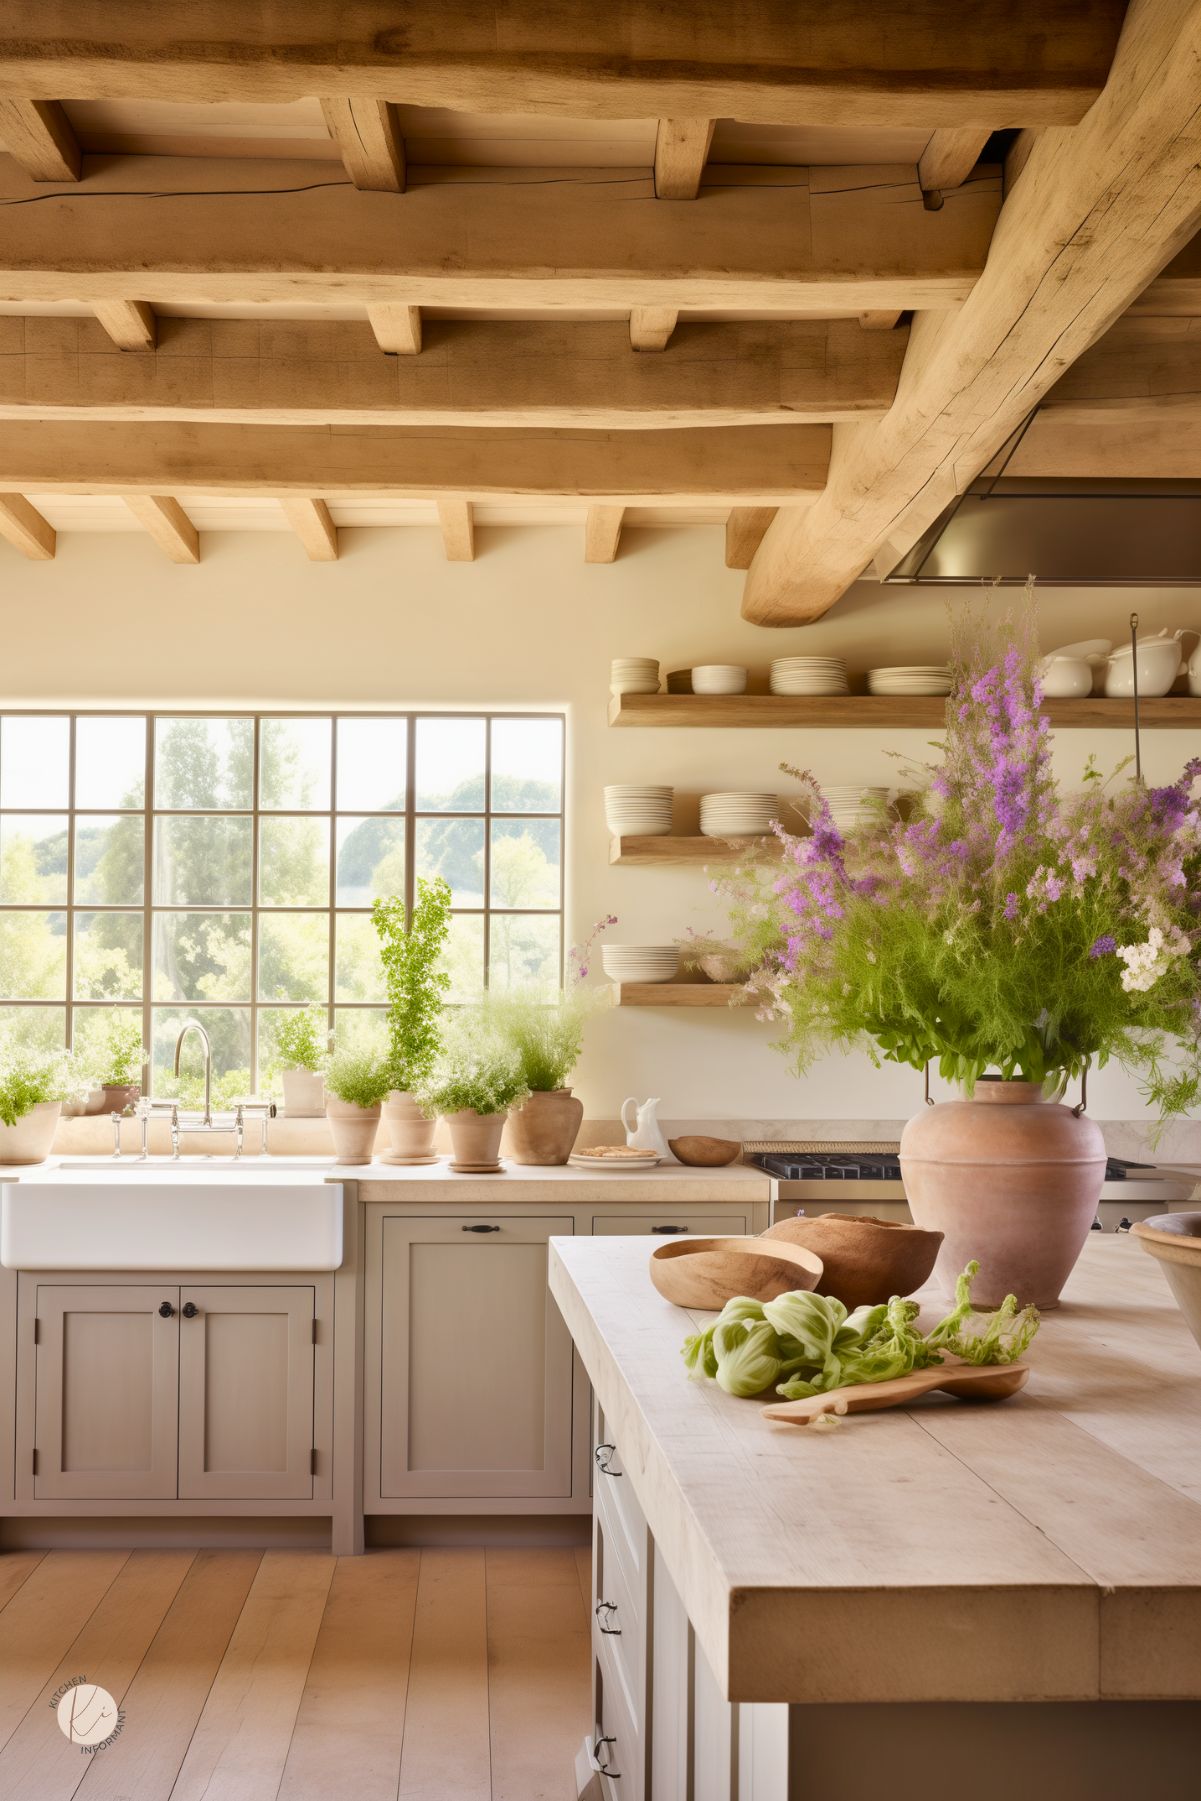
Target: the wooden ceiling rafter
pixel 370 142
pixel 311 520
pixel 681 152
pixel 37 135
pixel 165 520
pixel 130 324
pixel 602 533
pixel 27 530
pixel 456 521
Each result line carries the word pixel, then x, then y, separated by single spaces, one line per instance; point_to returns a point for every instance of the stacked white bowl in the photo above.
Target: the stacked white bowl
pixel 809 675
pixel 918 678
pixel 640 962
pixel 853 805
pixel 738 814
pixel 634 675
pixel 633 811
pixel 719 678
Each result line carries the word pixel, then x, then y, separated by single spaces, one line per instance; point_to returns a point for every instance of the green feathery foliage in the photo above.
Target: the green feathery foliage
pixel 361 1078
pixel 300 1040
pixel 411 952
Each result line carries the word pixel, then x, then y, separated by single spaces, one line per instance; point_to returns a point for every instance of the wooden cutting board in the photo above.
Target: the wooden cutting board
pixel 992 1382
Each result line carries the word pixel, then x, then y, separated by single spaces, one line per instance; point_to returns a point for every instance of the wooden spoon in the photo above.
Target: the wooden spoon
pixel 704 1273
pixel 991 1382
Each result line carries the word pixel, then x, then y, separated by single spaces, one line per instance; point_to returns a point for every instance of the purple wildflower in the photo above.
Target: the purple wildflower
pixel 1105 946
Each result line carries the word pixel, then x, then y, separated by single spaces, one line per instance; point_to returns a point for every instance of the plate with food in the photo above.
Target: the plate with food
pixel 615 1156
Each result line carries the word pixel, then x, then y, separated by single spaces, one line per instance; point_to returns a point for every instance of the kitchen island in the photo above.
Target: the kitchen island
pixel 976 1598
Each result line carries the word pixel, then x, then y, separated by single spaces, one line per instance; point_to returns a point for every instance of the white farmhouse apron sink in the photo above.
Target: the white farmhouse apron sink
pixel 162 1215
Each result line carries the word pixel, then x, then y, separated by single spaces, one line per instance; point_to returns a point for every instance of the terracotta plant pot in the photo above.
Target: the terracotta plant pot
pixel 119 1095
pixel 411 1133
pixel 31 1140
pixel 1007 1178
pixel 353 1129
pixel 475 1138
pixel 864 1260
pixel 546 1127
pixel 304 1094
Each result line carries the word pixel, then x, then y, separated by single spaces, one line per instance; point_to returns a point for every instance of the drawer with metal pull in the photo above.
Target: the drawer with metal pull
pixel 620 1618
pixel 616 1506
pixel 618 1748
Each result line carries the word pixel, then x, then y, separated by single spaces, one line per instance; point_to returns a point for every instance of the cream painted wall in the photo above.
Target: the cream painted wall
pixel 530 624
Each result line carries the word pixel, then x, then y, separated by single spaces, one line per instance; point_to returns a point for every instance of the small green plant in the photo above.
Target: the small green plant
pixel 411 951
pixel 125 1055
pixel 477 1069
pixel 546 1035
pixel 300 1040
pixel 361 1078
pixel 28 1078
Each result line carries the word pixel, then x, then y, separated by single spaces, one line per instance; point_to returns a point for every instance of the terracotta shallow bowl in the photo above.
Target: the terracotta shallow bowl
pixel 705 1153
pixel 705 1273
pixel 866 1260
pixel 1174 1240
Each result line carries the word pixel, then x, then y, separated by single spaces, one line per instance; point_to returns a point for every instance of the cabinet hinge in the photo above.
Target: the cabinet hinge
pixel 34 1462
pixel 313 1461
pixel 37 1331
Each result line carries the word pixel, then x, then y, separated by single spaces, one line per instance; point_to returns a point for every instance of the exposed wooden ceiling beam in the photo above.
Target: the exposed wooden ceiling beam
pixel 744 534
pixel 37 134
pixel 1177 291
pixel 397 328
pixel 474 372
pixel 949 158
pixel 310 519
pixel 167 524
pixel 602 533
pixel 130 324
pixel 1143 369
pixel 1096 213
pixel 22 526
pixel 819 240
pixel 809 62
pixel 457 522
pixel 1060 447
pixel 681 152
pixel 369 140
pixel 769 465
pixel 651 327
pixel 879 321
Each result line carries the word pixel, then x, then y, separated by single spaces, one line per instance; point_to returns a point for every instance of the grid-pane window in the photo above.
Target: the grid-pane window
pixel 222 867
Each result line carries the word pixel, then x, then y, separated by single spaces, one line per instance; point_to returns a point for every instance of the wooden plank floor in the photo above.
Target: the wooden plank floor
pixel 440 1675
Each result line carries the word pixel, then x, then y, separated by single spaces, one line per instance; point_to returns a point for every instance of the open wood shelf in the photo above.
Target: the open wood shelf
pixel 694 851
pixel 927 712
pixel 675 994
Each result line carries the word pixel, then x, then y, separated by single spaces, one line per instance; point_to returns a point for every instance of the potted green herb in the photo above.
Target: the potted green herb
pixel 474 1082
pixel 300 1043
pixel 125 1057
pixel 411 951
pixel 33 1086
pixel 546 1033
pixel 355 1085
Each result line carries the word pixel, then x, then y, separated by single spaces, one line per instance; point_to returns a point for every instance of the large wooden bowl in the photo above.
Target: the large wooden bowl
pixel 1174 1240
pixel 705 1273
pixel 865 1260
pixel 705 1153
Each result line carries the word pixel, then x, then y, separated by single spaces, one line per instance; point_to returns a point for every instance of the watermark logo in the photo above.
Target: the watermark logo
pixel 87 1714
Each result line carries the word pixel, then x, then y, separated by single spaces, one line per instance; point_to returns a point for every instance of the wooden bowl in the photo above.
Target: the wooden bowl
pixel 705 1273
pixel 1174 1240
pixel 705 1153
pixel 865 1260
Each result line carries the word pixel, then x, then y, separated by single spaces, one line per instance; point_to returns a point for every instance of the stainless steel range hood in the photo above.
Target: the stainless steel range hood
pixel 1067 534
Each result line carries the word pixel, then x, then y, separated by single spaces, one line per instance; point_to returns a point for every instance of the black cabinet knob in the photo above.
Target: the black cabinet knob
pixel 166 1310
pixel 189 1310
pixel 669 1228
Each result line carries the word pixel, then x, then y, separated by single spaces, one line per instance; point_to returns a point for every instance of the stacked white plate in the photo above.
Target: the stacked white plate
pixel 809 675
pixel 634 675
pixel 852 805
pixel 719 678
pixel 640 962
pixel 637 812
pixel 920 678
pixel 738 814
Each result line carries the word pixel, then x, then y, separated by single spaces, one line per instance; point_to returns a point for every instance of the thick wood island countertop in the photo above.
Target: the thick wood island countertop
pixel 1043 1548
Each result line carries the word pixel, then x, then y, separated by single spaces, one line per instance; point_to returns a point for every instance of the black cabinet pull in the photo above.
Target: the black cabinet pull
pixel 603 1457
pixel 189 1310
pixel 669 1228
pixel 481 1228
pixel 166 1310
pixel 602 1743
pixel 609 1609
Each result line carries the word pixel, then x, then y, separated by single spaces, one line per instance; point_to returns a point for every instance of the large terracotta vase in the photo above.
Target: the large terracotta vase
pixel 352 1129
pixel 31 1140
pixel 476 1139
pixel 544 1129
pixel 1007 1178
pixel 412 1134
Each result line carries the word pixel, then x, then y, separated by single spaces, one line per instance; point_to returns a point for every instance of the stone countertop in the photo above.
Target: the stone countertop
pixel 670 1182
pixel 1047 1547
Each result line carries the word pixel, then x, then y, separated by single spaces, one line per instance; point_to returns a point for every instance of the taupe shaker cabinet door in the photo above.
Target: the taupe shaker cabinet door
pixel 245 1393
pixel 106 1375
pixel 475 1386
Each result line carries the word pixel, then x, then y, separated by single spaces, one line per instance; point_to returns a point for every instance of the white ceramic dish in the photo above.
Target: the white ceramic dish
pixel 582 1160
pixel 719 678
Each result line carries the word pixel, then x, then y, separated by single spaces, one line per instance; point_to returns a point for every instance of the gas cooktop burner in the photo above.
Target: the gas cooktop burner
pixel 855 1164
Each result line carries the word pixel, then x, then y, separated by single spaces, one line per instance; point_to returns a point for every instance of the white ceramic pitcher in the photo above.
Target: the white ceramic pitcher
pixel 641 1121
